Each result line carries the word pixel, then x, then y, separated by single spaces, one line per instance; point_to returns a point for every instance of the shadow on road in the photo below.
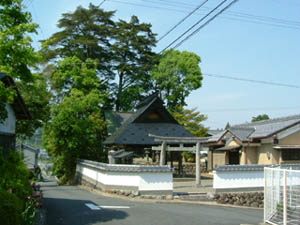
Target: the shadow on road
pixel 75 212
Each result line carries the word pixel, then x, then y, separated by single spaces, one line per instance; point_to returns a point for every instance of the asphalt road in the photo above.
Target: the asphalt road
pixel 66 205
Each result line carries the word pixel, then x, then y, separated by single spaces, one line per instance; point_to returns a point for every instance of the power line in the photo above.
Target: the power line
pixel 205 24
pixel 262 20
pixel 251 80
pixel 181 21
pixel 249 109
pixel 101 3
pixel 195 24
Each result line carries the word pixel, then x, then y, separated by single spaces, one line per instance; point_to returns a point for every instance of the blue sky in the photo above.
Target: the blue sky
pixel 237 44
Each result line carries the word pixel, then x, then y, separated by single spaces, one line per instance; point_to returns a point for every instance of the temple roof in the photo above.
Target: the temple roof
pixel 151 117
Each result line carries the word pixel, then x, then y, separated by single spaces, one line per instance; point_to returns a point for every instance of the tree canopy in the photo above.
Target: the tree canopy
pixel 76 127
pixel 260 117
pixel 36 97
pixel 176 76
pixel 191 120
pixel 122 50
pixel 16 52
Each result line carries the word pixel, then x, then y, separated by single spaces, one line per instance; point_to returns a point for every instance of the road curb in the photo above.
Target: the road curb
pixel 175 201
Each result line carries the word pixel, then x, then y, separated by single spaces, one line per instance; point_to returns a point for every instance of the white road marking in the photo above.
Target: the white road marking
pixel 92 206
pixel 114 207
pixel 99 207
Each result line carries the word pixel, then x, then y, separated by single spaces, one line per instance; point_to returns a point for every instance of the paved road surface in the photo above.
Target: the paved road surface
pixel 66 205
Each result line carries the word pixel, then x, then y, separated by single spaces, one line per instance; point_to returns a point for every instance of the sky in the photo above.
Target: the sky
pixel 252 40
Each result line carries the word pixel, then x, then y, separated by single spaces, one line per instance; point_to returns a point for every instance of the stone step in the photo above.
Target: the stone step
pixel 193 196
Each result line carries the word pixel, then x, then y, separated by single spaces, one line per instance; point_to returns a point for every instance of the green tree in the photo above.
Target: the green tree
pixel 76 127
pixel 16 52
pixel 85 33
pixel 122 50
pixel 191 120
pixel 176 76
pixel 133 61
pixel 260 117
pixel 36 97
pixel 227 126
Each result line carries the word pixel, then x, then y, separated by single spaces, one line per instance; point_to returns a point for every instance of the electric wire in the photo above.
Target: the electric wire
pixel 194 25
pixel 101 3
pixel 205 24
pixel 182 20
pixel 251 80
pixel 262 20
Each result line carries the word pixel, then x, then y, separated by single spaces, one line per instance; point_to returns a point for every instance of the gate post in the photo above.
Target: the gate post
pixel 198 165
pixel 163 153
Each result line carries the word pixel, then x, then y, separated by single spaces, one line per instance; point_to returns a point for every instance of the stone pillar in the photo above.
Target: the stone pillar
pixel 198 164
pixel 163 153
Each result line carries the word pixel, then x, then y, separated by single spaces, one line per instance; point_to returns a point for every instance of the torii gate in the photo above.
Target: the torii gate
pixel 199 141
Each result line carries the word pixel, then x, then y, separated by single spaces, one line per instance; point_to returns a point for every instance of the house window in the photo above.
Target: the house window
pixel 291 154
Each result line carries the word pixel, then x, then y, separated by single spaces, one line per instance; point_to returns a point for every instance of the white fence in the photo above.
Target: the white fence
pixel 282 196
pixel 143 179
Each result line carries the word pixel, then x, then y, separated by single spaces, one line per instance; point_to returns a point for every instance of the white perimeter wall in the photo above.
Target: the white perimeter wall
pixel 145 181
pixel 238 179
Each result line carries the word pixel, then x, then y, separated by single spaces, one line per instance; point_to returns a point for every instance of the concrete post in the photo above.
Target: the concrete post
pixel 163 153
pixel 198 165
pixel 36 155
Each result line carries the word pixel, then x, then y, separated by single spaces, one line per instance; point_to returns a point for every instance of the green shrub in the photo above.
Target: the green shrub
pixel 14 175
pixel 10 208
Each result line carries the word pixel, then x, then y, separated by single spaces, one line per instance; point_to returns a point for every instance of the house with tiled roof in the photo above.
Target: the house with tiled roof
pixel 131 131
pixel 15 111
pixel 273 141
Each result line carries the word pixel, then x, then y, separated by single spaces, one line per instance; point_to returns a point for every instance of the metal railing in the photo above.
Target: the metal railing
pixel 282 196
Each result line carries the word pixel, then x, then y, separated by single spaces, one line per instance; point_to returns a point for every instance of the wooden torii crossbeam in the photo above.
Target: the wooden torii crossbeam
pixel 198 141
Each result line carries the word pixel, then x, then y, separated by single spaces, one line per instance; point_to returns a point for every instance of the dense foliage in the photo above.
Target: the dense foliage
pixel 16 53
pixel 76 126
pixel 36 97
pixel 176 76
pixel 10 208
pixel 122 50
pixel 14 176
pixel 191 120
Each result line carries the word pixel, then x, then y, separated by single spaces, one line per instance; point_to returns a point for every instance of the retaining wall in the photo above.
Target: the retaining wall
pixel 140 180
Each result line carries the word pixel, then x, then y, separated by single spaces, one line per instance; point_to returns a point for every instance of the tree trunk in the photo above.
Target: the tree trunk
pixel 118 101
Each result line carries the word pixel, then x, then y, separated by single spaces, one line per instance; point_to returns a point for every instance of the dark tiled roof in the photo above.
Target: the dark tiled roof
pixel 138 133
pixel 115 120
pixel 242 133
pixel 254 167
pixel 267 128
pixel 226 148
pixel 217 137
pixel 259 129
pixel 135 132
pixel 124 168
pixel 147 100
pixel 214 132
